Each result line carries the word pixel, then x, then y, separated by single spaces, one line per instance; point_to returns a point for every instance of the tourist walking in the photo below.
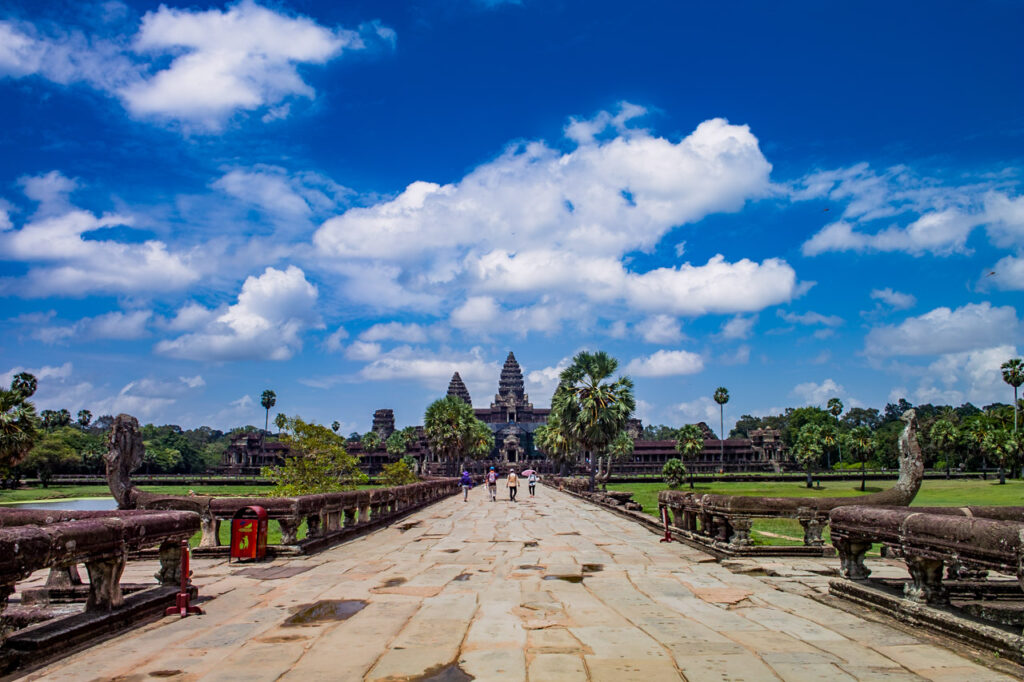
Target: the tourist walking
pixel 513 485
pixel 532 481
pixel 466 482
pixel 492 484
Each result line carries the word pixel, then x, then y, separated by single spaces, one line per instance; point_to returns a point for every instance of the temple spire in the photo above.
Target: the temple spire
pixel 457 388
pixel 511 382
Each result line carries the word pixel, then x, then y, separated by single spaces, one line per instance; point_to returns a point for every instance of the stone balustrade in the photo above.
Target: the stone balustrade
pixel 31 540
pixel 722 523
pixel 968 541
pixel 328 516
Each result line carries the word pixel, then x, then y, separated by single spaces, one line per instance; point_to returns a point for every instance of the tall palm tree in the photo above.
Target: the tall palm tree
pixel 592 409
pixel 861 444
pixel 829 439
pixel 689 444
pixel 945 436
pixel 721 397
pixel 1013 374
pixel 835 406
pixel 19 423
pixel 281 421
pixel 63 417
pixel 454 431
pixel 1001 444
pixel 84 417
pixel 267 400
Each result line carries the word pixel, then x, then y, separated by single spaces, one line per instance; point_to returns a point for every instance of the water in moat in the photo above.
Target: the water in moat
pixel 88 504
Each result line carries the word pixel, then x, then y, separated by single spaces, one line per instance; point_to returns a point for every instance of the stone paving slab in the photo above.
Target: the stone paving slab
pixel 546 589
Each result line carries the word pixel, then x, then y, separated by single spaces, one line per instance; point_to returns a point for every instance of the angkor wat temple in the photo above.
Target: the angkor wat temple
pixel 513 419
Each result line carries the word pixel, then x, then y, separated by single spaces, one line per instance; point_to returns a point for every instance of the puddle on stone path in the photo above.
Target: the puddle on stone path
pixel 280 639
pixel 593 568
pixel 531 567
pixel 446 673
pixel 566 578
pixel 165 673
pixel 571 532
pixel 450 551
pixel 406 526
pixel 530 543
pixel 393 582
pixel 462 577
pixel 326 611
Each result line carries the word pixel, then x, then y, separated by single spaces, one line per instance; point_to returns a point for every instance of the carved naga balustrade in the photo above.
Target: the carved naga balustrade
pixel 60 540
pixel 329 517
pixel 722 523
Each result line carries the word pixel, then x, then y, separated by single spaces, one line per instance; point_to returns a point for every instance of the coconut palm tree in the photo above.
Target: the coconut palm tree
pixel 1013 374
pixel 945 435
pixel 861 443
pixel 835 406
pixel 689 444
pixel 84 417
pixel 721 397
pixel 281 421
pixel 594 411
pixel 19 423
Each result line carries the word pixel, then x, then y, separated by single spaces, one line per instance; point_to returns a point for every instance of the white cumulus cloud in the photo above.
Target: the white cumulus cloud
pixel 665 363
pixel 944 330
pixel 266 323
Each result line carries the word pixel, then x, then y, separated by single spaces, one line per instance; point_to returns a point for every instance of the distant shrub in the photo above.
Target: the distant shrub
pixel 674 472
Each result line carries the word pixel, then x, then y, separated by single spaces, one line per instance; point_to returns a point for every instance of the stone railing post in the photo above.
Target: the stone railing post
pixel 209 525
pixel 926 586
pixel 851 557
pixel 289 530
pixel 169 572
pixel 105 583
pixel 812 525
pixel 740 531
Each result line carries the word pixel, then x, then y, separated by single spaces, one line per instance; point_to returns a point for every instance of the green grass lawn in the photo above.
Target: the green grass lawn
pixel 933 493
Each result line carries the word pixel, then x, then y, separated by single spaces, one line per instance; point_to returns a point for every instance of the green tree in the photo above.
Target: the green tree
pixel 50 456
pixel 453 430
pixel 674 472
pixel 689 445
pixel 319 462
pixel 592 410
pixel 84 417
pixel 861 443
pixel 371 441
pixel 19 424
pixel 397 473
pixel 808 449
pixel 554 440
pixel 945 435
pixel 721 397
pixel 835 407
pixel 829 439
pixel 1001 445
pixel 280 421
pixel 1013 374
pixel 396 444
pixel 267 400
pixel 619 449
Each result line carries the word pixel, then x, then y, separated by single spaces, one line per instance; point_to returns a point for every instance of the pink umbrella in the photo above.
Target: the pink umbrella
pixel 527 472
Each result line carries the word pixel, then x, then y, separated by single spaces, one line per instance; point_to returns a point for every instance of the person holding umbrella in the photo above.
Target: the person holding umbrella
pixel 531 480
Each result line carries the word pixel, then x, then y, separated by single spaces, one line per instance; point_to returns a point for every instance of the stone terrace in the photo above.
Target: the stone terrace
pixel 549 588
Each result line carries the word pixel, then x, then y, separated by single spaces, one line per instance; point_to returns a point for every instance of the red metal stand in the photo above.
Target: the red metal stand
pixel 182 605
pixel 664 520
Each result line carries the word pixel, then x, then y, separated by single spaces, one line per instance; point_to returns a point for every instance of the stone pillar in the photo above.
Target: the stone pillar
pixel 210 527
pixel 63 576
pixel 289 530
pixel 851 558
pixel 314 526
pixel 812 531
pixel 169 572
pixel 105 584
pixel 740 531
pixel 926 586
pixel 350 516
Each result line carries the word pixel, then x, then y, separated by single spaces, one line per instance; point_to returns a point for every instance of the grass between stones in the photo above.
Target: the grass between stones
pixel 933 493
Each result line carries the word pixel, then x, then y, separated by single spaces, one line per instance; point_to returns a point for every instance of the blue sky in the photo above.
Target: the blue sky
pixel 346 202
